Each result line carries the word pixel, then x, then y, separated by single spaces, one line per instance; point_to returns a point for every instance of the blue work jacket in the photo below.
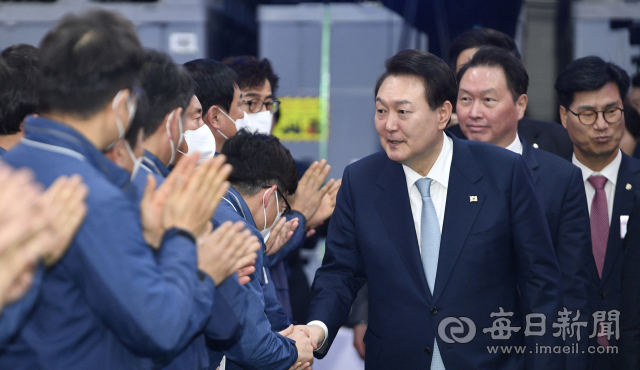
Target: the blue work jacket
pixel 109 303
pixel 257 345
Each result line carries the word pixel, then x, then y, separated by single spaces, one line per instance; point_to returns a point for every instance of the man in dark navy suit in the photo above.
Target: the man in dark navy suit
pixel 447 233
pixel 548 136
pixel 591 92
pixel 630 306
pixel 491 99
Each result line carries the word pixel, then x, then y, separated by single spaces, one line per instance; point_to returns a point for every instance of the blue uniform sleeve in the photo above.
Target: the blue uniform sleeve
pixel 296 241
pixel 142 301
pixel 228 312
pixel 12 316
pixel 273 307
pixel 255 345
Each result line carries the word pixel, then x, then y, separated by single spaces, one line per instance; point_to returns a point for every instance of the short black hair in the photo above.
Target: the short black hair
pixel 168 86
pixel 253 72
pixel 439 81
pixel 140 120
pixel 259 160
pixel 514 71
pixel 589 74
pixel 479 37
pixel 214 83
pixel 635 80
pixel 19 85
pixel 85 60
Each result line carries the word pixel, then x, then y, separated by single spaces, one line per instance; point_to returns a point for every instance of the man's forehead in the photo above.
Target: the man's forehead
pixel 263 90
pixel 401 89
pixel 194 105
pixel 393 100
pixel 605 96
pixel 485 76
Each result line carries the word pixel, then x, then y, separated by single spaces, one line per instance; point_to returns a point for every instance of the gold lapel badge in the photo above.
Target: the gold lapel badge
pixel 628 187
pixel 473 198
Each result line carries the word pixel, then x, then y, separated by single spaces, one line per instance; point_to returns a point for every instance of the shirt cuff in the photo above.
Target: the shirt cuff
pixel 326 332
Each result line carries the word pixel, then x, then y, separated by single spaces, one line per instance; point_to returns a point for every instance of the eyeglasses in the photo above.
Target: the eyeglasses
pixel 589 116
pixel 255 105
pixel 287 209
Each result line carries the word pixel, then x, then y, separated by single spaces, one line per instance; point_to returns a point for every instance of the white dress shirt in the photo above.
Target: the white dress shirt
pixel 610 172
pixel 516 146
pixel 440 175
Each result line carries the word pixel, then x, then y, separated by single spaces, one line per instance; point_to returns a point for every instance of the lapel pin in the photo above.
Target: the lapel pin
pixel 473 198
pixel 628 187
pixel 535 145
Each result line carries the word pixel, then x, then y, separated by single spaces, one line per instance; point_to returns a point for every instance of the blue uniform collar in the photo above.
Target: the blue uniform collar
pixel 239 205
pixel 2 151
pixel 154 164
pixel 56 137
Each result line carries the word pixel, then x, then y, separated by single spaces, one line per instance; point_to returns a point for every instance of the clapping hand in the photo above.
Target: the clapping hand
pixel 229 248
pixel 280 235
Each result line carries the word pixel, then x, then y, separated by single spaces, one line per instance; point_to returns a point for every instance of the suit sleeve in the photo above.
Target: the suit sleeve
pixel 538 272
pixel 342 273
pixel 630 308
pixel 573 251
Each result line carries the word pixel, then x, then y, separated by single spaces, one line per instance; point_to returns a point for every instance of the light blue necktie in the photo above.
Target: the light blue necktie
pixel 430 249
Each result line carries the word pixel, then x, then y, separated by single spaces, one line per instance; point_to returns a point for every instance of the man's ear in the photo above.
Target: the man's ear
pixel 175 119
pixel 444 114
pixel 268 198
pixel 119 103
pixel 213 117
pixel 563 116
pixel 115 154
pixel 521 105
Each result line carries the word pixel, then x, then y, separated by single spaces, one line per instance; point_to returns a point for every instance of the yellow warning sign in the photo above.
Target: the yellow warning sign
pixel 299 119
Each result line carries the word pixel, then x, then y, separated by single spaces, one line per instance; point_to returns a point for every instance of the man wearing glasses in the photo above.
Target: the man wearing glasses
pixel 264 173
pixel 591 92
pixel 258 85
pixel 312 204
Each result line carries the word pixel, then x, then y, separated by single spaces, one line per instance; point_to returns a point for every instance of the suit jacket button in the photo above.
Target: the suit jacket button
pixel 601 295
pixel 434 311
pixel 427 350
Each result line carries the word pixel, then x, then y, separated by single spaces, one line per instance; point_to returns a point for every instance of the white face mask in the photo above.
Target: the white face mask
pixel 230 119
pixel 201 141
pixel 267 231
pixel 174 148
pixel 256 122
pixel 137 162
pixel 131 106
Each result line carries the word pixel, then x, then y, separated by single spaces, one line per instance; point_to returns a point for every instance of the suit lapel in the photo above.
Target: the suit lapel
pixel 394 209
pixel 460 212
pixel 622 204
pixel 529 157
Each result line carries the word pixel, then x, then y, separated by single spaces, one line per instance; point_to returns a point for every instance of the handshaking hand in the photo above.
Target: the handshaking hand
pixel 304 345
